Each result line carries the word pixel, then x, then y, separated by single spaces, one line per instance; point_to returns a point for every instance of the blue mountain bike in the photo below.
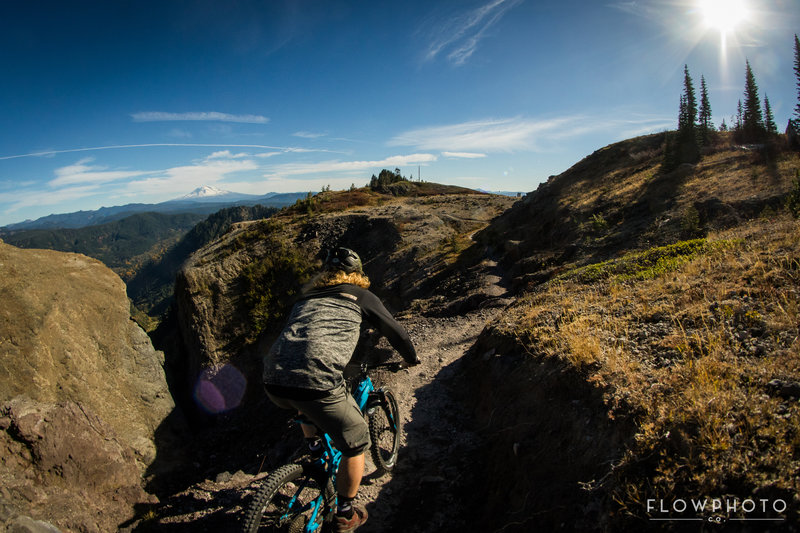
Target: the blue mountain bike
pixel 301 497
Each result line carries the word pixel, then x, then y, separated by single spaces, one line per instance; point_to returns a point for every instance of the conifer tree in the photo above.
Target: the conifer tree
pixel 691 99
pixel 687 147
pixel 797 75
pixel 753 119
pixel 706 126
pixel 769 119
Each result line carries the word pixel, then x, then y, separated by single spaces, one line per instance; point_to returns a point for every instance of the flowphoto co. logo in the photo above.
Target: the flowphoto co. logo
pixel 717 510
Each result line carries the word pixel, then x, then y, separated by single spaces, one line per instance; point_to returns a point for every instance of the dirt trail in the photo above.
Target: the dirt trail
pixel 427 490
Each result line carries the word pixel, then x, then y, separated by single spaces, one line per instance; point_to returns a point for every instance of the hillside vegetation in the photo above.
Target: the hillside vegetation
pixel 654 346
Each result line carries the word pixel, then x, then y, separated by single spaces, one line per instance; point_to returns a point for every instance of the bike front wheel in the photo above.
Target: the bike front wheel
pixel 385 428
pixel 291 498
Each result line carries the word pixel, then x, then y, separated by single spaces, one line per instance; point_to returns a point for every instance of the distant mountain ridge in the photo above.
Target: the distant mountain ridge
pixel 204 200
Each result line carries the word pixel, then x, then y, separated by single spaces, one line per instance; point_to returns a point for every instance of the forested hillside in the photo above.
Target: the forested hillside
pixel 123 245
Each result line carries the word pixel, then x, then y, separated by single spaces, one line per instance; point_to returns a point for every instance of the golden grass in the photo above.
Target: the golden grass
pixel 688 353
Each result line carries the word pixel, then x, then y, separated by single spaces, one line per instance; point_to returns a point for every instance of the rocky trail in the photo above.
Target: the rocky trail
pixel 432 488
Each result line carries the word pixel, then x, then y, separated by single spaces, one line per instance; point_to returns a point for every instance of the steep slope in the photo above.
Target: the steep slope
pixel 82 390
pixel 645 369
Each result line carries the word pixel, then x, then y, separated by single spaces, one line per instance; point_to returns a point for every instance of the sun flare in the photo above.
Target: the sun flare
pixel 723 15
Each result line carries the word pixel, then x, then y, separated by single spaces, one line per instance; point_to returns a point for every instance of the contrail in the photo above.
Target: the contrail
pixel 120 146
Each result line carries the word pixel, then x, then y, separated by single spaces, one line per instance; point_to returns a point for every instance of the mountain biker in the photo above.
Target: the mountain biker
pixel 303 369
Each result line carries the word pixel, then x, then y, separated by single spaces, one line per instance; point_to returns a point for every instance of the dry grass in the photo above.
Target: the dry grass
pixel 687 353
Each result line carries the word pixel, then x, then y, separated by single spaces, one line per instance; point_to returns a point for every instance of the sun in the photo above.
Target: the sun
pixel 723 15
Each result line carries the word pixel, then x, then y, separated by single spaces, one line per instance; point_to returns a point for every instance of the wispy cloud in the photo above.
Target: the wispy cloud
pixel 206 171
pixel 26 198
pixel 298 169
pixel 459 38
pixel 494 135
pixel 227 154
pixel 82 173
pixel 463 155
pixel 478 138
pixel 213 116
pixel 47 153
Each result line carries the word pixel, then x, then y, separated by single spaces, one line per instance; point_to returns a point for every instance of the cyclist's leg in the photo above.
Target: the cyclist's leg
pixel 351 470
pixel 339 416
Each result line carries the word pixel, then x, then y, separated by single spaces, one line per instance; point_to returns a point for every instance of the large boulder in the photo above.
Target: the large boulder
pixel 87 378
pixel 61 462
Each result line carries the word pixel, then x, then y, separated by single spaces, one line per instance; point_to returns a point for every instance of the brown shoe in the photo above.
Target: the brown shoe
pixel 347 525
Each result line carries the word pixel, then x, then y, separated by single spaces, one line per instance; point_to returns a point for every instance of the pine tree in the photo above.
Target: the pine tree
pixel 752 120
pixel 691 100
pixel 769 119
pixel 797 75
pixel 688 149
pixel 706 126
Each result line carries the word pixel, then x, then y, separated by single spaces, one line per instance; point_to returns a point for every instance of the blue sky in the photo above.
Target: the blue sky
pixel 111 102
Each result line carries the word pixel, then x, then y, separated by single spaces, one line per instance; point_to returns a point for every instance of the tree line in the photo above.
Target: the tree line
pixel 754 122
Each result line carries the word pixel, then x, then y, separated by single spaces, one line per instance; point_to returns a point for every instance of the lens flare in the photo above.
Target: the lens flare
pixel 723 15
pixel 220 388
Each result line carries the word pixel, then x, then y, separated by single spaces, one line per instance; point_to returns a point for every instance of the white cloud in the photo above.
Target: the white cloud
pixel 463 155
pixel 478 138
pixel 298 169
pixel 37 198
pixel 214 116
pixel 227 154
pixel 81 172
pixel 49 153
pixel 460 37
pixel 494 135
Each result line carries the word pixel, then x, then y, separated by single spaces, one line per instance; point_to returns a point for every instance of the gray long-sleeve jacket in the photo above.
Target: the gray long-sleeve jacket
pixel 321 334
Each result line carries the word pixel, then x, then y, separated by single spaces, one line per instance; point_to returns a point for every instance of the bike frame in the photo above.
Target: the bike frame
pixel 367 398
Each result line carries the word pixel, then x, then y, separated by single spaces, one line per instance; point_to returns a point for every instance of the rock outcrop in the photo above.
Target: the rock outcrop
pixel 81 388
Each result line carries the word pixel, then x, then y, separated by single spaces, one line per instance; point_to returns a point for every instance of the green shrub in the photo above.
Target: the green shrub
pixel 272 282
pixel 644 265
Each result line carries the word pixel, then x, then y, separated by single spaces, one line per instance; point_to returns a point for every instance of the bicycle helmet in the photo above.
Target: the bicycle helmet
pixel 344 259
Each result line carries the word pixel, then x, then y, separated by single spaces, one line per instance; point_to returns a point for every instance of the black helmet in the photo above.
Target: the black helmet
pixel 344 259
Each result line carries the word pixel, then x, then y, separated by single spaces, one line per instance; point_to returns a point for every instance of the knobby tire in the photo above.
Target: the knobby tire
pixel 385 436
pixel 269 512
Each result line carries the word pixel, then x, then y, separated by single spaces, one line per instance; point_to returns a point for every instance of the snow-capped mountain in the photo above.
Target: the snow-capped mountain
pixel 207 193
pixel 203 192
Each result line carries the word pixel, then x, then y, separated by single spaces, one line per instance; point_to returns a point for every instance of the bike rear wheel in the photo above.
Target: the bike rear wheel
pixel 385 428
pixel 289 499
